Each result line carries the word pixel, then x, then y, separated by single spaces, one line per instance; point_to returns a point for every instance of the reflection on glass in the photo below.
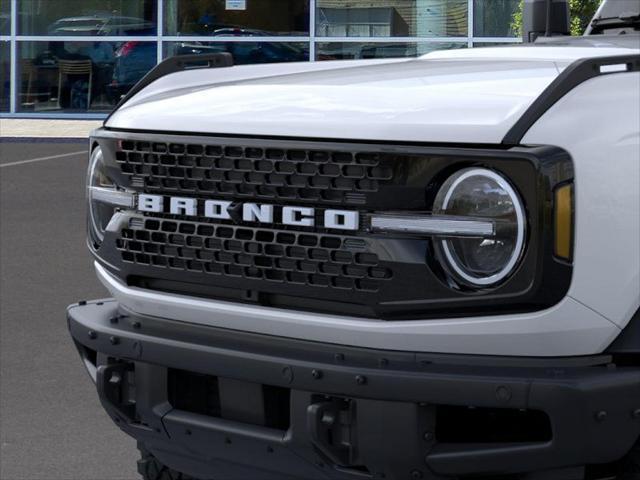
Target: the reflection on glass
pixel 494 44
pixel 244 52
pixel 132 62
pixel 5 17
pixel 251 18
pixel 392 18
pixel 4 76
pixel 357 50
pixel 495 18
pixel 79 76
pixel 87 17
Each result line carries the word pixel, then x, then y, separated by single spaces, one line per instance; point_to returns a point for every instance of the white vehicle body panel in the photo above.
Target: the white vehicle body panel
pixel 472 96
pixel 420 100
pixel 568 328
pixel 598 123
pixel 530 52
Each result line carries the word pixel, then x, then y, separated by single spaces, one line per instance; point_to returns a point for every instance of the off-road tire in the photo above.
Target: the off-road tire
pixel 630 468
pixel 151 469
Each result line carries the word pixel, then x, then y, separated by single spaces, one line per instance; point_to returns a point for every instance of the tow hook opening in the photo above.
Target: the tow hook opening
pixel 365 436
pixel 331 422
pixel 116 387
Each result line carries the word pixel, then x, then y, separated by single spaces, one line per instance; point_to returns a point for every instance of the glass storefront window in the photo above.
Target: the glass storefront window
pixel 240 18
pixel 244 52
pixel 495 18
pixel 87 17
pixel 79 76
pixel 62 66
pixel 392 18
pixel 5 69
pixel 358 50
pixel 5 17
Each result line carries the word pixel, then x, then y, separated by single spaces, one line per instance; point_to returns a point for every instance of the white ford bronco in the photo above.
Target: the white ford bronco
pixel 384 269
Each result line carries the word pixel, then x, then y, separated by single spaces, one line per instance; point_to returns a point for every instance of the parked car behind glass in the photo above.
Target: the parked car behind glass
pixel 132 61
pixel 101 24
pixel 248 52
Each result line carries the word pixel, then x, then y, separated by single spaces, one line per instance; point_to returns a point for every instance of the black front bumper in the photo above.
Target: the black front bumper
pixel 352 412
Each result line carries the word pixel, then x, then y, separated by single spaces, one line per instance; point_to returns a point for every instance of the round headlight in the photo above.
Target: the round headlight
pixel 104 196
pixel 481 193
pixel 100 213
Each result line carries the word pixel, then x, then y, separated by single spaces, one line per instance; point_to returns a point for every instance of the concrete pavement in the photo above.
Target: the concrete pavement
pixel 51 423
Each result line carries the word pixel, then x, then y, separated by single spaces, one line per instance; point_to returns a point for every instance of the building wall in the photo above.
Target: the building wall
pixel 77 58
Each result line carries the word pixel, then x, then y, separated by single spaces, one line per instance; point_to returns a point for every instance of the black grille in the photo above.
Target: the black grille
pixel 316 268
pixel 267 173
pixel 315 260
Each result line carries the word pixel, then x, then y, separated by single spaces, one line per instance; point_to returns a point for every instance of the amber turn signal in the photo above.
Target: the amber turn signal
pixel 564 222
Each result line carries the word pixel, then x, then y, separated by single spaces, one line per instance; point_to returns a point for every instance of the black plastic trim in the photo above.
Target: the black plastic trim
pixel 592 405
pixel 175 64
pixel 166 329
pixel 575 74
pixel 628 342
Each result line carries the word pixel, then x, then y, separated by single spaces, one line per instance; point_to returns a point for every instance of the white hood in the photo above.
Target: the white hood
pixel 470 96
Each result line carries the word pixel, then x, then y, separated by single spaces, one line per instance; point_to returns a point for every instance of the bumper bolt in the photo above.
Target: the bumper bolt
pixel 113 320
pixel 428 437
pixel 136 325
pixel 114 340
pixel 92 335
pixel 383 362
pixel 601 416
pixel 361 379
pixel 187 432
pixel 416 474
pixel 339 357
pixel 317 374
pixel 287 374
pixel 503 394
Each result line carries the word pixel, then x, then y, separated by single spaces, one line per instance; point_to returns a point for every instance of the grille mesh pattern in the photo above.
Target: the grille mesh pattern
pixel 278 256
pixel 268 173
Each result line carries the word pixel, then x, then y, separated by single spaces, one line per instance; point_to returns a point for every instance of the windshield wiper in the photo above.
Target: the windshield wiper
pixel 626 20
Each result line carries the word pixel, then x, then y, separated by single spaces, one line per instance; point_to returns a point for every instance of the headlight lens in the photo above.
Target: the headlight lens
pixel 482 193
pixel 104 196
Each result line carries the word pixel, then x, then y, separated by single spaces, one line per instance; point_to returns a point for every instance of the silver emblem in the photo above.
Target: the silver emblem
pixel 249 212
